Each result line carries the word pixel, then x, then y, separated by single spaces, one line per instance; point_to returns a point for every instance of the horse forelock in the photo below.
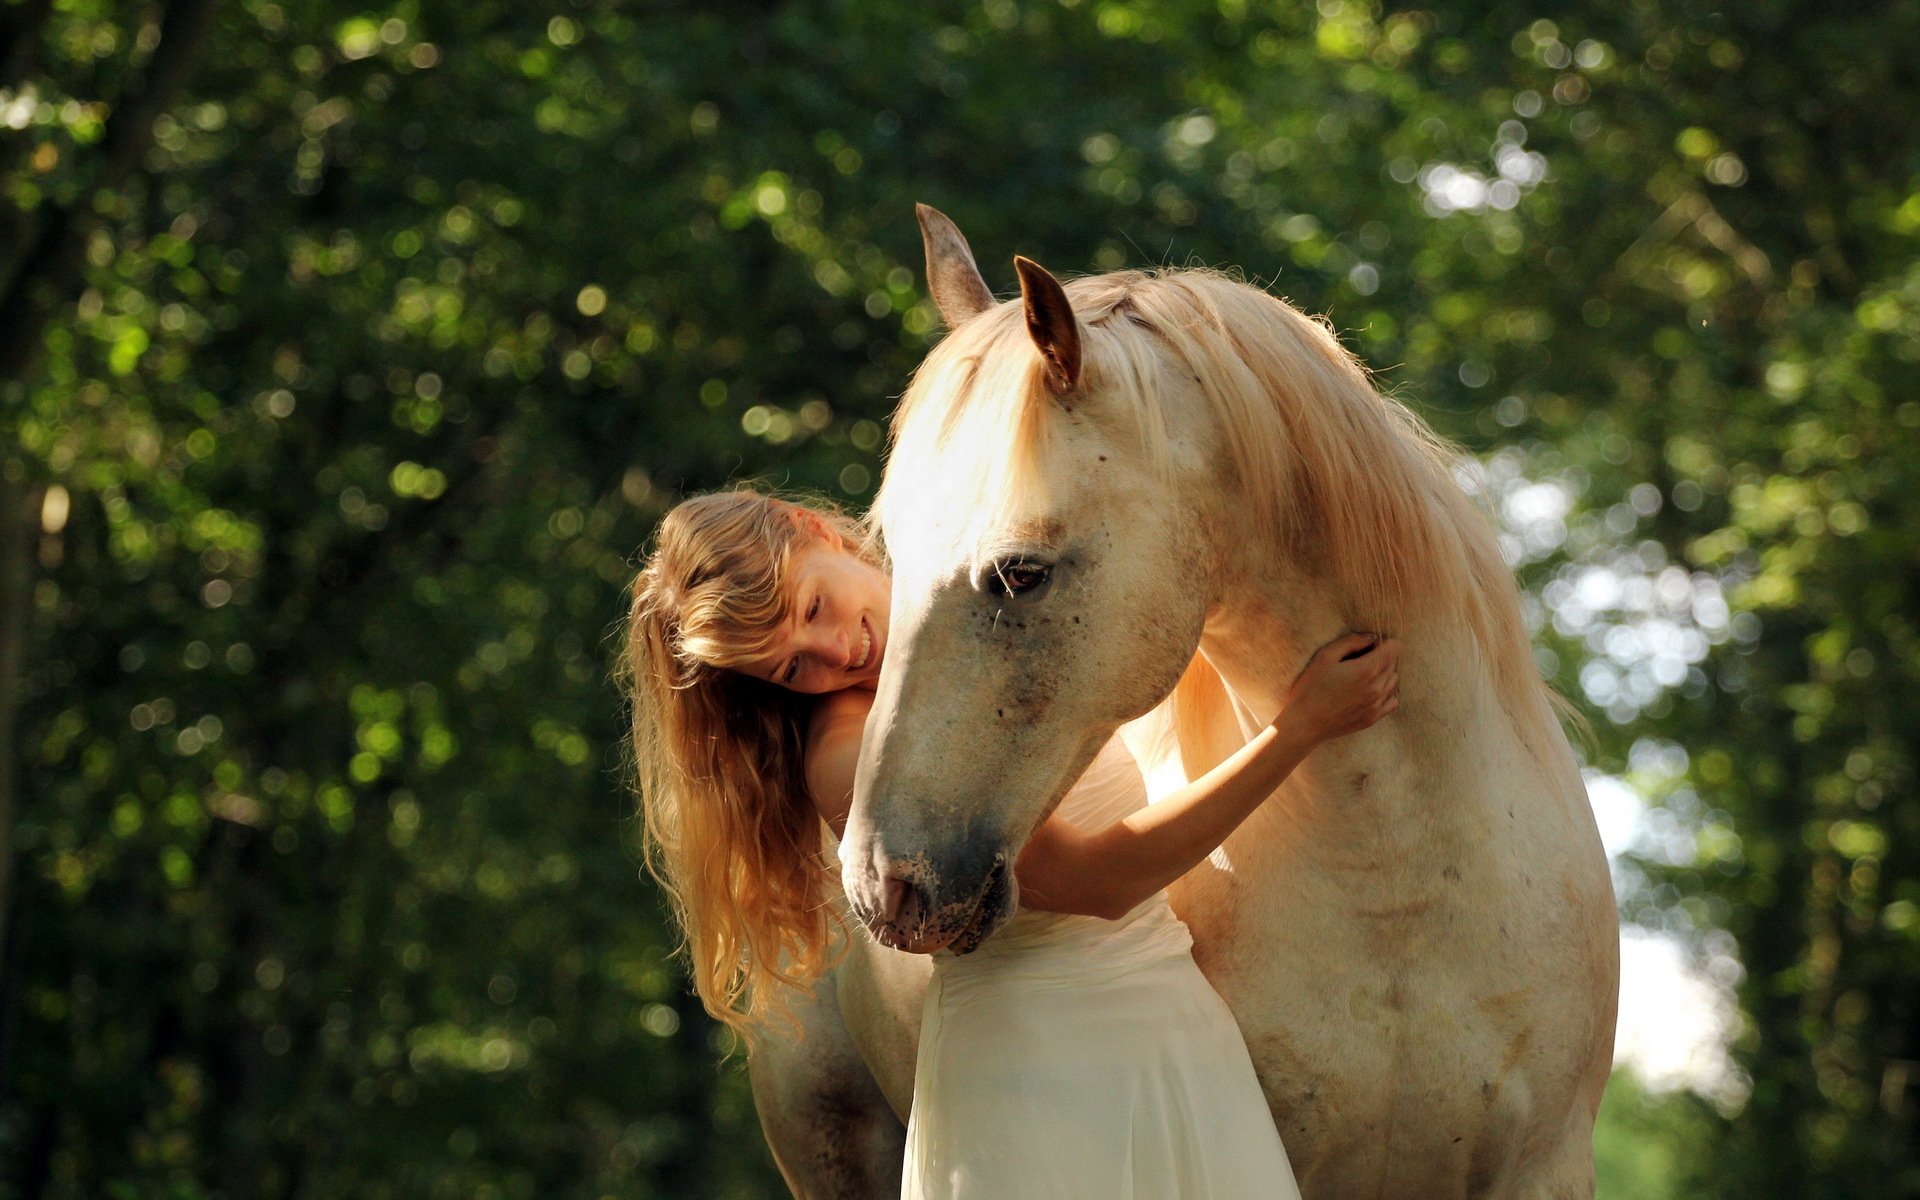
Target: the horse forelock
pixel 1321 461
pixel 979 416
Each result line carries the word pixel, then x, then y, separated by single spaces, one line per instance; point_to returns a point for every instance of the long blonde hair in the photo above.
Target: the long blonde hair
pixel 731 831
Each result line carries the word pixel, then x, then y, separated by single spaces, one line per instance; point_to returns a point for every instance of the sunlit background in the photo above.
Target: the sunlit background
pixel 348 355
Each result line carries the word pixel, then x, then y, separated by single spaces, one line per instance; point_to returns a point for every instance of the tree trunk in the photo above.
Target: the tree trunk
pixel 19 530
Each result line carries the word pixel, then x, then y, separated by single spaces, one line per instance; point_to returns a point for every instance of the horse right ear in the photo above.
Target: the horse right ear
pixel 1050 320
pixel 952 276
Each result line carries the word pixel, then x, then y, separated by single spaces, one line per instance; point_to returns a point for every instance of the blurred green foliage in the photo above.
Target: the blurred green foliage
pixel 1649 1147
pixel 347 356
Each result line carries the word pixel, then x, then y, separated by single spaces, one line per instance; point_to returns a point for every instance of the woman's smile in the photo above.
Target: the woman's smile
pixel 866 647
pixel 836 635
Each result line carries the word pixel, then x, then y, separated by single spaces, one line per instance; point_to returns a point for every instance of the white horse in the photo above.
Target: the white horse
pixel 1417 933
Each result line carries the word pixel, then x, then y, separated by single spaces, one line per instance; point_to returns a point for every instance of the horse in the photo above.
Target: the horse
pixel 1138 501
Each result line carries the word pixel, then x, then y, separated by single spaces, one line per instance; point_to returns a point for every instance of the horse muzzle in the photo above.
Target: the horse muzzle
pixel 911 903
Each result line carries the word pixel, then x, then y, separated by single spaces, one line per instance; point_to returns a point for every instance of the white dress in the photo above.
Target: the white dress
pixel 1075 1058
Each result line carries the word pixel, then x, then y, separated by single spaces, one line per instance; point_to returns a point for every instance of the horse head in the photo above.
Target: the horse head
pixel 1052 568
pixel 1081 481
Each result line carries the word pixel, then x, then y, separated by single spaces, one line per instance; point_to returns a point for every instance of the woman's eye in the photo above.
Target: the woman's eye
pixel 793 669
pixel 813 610
pixel 1017 578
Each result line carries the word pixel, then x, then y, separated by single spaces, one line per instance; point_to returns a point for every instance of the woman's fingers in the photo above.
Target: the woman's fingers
pixel 1386 674
pixel 1353 645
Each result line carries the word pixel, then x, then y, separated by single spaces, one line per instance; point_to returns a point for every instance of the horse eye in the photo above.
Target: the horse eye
pixel 1017 578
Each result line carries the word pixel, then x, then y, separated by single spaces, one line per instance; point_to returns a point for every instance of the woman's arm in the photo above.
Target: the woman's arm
pixel 1349 684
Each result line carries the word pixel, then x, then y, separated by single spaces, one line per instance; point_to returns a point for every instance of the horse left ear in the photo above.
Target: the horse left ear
pixel 958 291
pixel 1051 322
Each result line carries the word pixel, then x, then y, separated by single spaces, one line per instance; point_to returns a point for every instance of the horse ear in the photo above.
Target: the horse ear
pixel 1051 322
pixel 952 276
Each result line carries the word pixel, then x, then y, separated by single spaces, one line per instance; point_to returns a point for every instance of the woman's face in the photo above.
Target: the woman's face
pixel 836 629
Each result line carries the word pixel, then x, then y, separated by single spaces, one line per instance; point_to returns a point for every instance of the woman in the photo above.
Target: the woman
pixel 1079 1052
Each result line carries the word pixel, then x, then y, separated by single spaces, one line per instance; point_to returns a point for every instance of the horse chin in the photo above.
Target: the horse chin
pixel 975 934
pixel 994 908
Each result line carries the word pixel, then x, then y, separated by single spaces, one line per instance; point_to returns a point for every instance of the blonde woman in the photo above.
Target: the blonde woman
pixel 1079 1052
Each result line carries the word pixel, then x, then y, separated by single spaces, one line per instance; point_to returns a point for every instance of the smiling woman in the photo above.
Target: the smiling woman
pixel 836 627
pixel 748 602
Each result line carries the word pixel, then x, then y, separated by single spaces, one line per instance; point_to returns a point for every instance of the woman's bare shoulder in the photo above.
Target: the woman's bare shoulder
pixel 833 749
pixel 839 715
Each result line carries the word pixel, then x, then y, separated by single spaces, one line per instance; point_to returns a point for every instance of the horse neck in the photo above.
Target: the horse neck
pixel 1263 629
pixel 1265 626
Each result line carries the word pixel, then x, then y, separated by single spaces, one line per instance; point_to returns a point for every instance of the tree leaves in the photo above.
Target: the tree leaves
pixel 365 366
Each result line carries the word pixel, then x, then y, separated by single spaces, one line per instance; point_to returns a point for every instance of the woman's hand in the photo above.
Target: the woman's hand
pixel 1350 683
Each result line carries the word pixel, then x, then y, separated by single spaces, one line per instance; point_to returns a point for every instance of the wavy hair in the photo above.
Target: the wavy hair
pixel 731 831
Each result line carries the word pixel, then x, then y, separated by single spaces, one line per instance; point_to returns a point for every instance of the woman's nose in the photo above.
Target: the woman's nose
pixel 831 647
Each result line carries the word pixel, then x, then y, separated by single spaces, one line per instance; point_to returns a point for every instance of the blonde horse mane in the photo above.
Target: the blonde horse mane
pixel 1348 480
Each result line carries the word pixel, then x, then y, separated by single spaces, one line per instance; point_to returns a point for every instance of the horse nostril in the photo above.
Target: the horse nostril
pixel 902 904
